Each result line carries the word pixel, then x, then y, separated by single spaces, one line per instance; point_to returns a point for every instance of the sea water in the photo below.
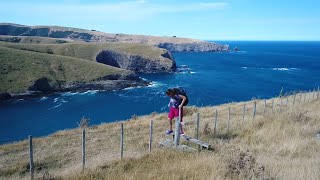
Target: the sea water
pixel 257 70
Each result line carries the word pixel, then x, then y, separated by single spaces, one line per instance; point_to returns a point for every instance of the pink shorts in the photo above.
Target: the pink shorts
pixel 174 112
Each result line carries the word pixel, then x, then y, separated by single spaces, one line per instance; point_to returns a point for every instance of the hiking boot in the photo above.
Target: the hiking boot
pixel 168 132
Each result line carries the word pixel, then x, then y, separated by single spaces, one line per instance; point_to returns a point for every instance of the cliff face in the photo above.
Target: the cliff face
pixel 173 44
pixel 110 82
pixel 136 63
pixel 194 47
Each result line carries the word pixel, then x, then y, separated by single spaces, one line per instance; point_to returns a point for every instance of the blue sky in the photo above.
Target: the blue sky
pixel 209 20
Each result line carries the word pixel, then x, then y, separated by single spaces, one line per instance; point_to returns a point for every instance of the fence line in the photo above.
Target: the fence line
pixel 312 95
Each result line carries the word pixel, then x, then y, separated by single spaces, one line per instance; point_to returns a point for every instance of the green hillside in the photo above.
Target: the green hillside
pixel 20 69
pixel 33 40
pixel 89 51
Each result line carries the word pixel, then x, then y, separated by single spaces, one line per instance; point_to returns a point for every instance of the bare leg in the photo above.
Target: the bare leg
pixel 170 123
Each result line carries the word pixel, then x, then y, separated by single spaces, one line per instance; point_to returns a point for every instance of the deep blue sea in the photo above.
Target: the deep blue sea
pixel 259 69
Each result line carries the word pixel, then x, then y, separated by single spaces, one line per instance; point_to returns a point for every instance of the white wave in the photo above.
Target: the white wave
pixel 70 93
pixel 55 100
pixel 129 88
pixel 63 101
pixel 284 69
pixel 43 98
pixel 90 92
pixel 192 72
pixel 155 84
pixel 244 67
pixel 56 106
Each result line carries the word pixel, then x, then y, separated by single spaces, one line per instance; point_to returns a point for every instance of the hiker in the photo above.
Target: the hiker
pixel 178 99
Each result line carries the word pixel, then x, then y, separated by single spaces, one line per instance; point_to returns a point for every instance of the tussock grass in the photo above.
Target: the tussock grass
pixel 271 146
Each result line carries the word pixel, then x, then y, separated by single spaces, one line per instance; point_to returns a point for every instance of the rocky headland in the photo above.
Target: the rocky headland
pixel 173 44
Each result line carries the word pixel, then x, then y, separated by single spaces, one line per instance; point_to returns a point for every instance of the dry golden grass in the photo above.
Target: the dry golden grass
pixel 271 146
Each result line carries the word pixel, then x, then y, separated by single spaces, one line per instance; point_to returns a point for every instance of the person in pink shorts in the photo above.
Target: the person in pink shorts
pixel 176 102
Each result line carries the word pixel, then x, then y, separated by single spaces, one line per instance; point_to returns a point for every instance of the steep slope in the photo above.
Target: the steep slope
pixel 135 57
pixel 170 43
pixel 27 72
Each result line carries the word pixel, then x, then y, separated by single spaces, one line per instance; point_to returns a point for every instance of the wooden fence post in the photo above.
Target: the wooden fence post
pixel 198 125
pixel 121 140
pixel 83 149
pixel 265 106
pixel 150 135
pixel 309 99
pixel 177 130
pixel 244 111
pixel 254 109
pixel 300 97
pixel 31 158
pixel 273 105
pixel 215 123
pixel 313 94
pixel 228 128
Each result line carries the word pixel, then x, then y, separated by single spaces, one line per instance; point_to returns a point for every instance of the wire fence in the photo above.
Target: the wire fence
pixel 85 148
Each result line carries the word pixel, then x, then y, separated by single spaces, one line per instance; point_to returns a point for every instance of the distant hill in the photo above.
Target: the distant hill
pixel 170 43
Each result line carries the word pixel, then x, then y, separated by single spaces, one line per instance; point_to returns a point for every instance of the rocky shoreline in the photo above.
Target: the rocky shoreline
pixel 42 87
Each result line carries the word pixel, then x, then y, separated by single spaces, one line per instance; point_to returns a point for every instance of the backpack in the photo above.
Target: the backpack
pixel 183 92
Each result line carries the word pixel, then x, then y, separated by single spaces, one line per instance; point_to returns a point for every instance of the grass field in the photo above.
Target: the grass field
pixel 272 146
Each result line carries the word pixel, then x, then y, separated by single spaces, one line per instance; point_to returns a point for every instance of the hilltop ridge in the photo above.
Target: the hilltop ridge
pixel 173 44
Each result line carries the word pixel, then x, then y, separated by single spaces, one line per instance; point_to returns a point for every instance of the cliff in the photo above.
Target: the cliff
pixel 173 44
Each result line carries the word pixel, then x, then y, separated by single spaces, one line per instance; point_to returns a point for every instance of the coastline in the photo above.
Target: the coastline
pixel 103 85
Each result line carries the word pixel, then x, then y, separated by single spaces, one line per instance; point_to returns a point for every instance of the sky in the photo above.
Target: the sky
pixel 268 20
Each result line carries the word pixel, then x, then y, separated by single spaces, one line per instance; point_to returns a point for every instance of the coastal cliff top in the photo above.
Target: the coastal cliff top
pixel 92 35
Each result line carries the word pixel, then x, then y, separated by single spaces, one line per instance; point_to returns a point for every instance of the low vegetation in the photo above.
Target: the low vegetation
pixel 272 146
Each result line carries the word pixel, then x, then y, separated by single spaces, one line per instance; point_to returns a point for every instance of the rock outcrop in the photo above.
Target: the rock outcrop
pixel 194 47
pixel 137 63
pixel 44 86
pixel 174 44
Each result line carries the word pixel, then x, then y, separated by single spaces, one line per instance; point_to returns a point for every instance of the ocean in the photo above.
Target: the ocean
pixel 257 70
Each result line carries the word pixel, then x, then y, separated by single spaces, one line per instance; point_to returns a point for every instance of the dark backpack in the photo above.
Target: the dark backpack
pixel 183 92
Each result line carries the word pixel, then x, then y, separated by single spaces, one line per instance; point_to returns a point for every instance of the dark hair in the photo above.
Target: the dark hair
pixel 170 92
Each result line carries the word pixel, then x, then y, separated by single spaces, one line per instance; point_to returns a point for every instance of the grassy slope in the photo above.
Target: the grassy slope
pixel 284 145
pixel 89 51
pixel 35 39
pixel 130 38
pixel 19 69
